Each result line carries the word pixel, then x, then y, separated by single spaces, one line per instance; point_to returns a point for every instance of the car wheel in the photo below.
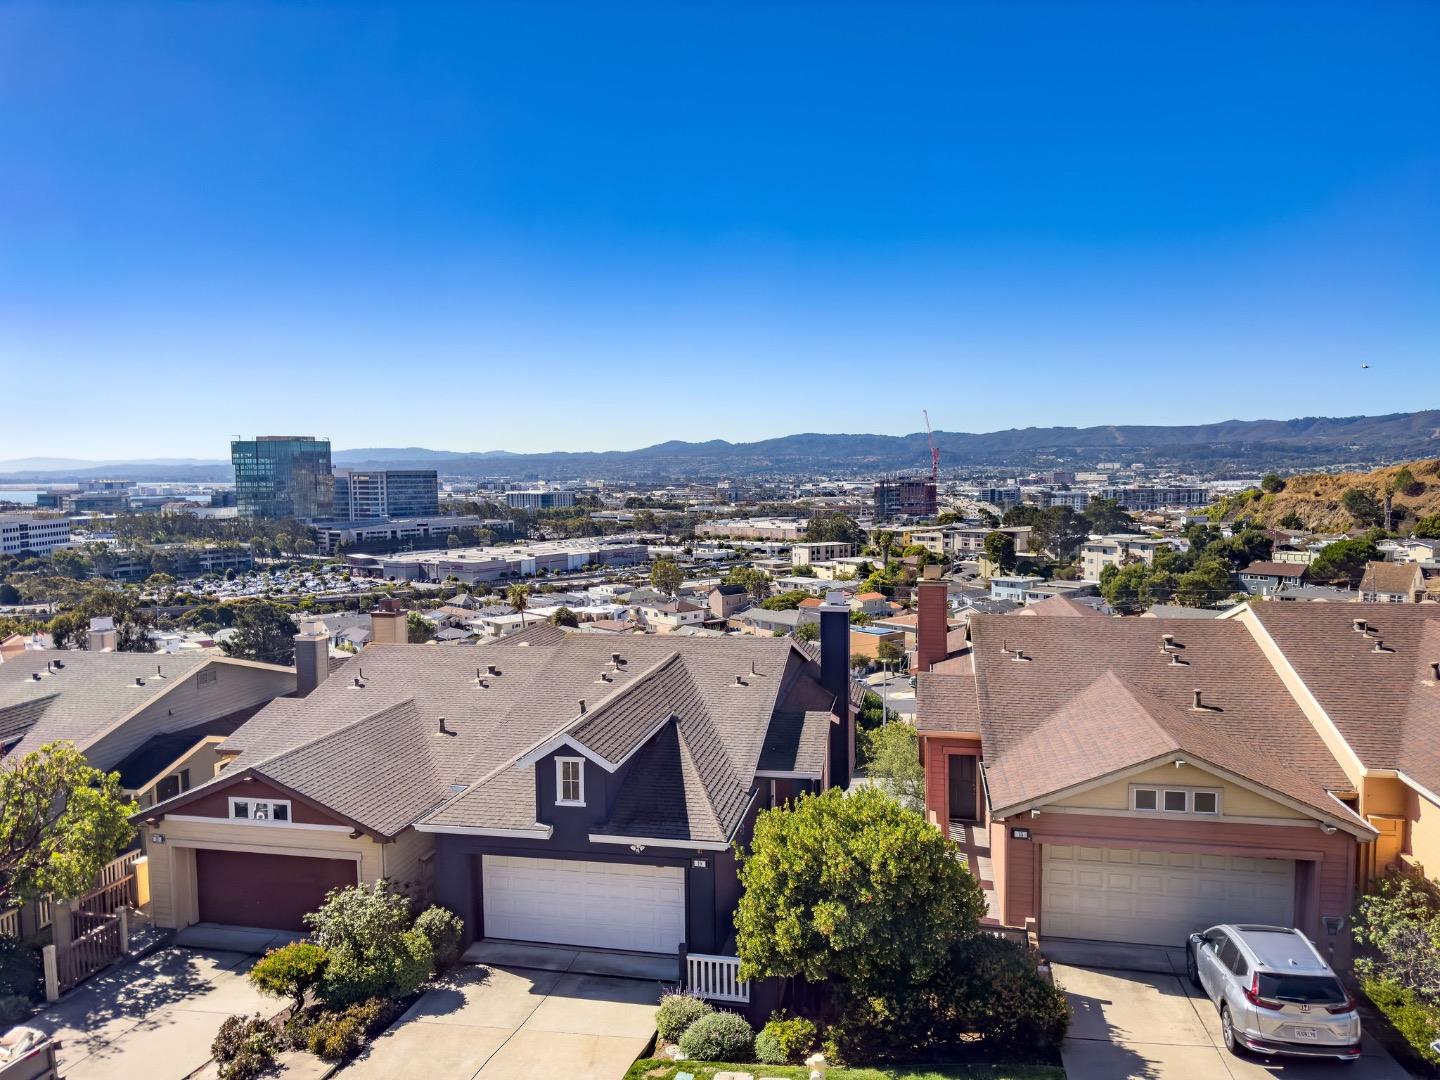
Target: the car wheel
pixel 1227 1031
pixel 1191 970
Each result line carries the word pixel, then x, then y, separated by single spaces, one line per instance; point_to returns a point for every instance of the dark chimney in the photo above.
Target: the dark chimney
pixel 312 656
pixel 932 622
pixel 835 677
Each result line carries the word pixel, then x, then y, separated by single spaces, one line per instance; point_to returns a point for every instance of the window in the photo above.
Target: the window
pixel 570 781
pixel 1204 802
pixel 206 677
pixel 261 811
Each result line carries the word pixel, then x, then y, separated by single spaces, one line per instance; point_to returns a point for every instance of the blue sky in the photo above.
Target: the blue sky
pixel 601 225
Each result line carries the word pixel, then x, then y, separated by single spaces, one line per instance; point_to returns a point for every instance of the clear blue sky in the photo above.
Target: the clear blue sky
pixel 600 225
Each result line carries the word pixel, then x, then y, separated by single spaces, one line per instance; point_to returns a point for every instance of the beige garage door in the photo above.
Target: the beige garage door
pixel 1158 897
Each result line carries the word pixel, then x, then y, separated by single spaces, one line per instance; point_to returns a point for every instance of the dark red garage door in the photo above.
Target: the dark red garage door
pixel 241 888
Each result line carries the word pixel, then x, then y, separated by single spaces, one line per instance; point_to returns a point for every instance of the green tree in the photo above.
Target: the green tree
pixel 853 889
pixel 785 601
pixel 1205 585
pixel 1404 483
pixel 1292 520
pixel 290 971
pixel 1126 588
pixel 1343 562
pixel 563 616
pixel 8 593
pixel 665 575
pixel 834 528
pixel 892 762
pixel 755 582
pixel 1000 550
pixel 1427 528
pixel 61 821
pixel 888 652
pixel 1363 507
pixel 1272 484
pixel 68 562
pixel 1107 516
pixel 518 597
pixel 809 631
pixel 133 623
pixel 988 519
pixel 418 629
pixel 264 631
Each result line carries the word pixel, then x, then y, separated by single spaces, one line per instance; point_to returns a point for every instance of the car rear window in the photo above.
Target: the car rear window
pixel 1303 989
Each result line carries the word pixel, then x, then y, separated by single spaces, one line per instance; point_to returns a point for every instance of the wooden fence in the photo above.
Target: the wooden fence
pixel 716 978
pixel 108 899
pixel 10 923
pixel 99 942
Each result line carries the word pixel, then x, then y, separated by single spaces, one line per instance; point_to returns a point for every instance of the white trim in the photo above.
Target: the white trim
pixel 540 832
pixel 1149 815
pixel 549 746
pixel 1420 789
pixel 780 774
pixel 560 763
pixel 695 845
pixel 249 823
pixel 251 801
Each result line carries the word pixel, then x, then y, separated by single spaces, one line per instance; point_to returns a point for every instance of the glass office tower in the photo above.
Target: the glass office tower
pixel 280 476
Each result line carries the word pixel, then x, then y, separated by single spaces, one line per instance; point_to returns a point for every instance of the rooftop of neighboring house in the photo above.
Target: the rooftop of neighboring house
pixel 695 714
pixel 1369 667
pixel 1275 569
pixel 1394 578
pixel 1062 607
pixel 76 695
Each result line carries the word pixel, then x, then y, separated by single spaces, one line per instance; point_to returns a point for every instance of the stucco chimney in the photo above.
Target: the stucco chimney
pixel 387 624
pixel 101 636
pixel 932 620
pixel 312 656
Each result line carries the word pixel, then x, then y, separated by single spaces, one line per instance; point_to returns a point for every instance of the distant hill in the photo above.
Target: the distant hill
pixel 1315 498
pixel 1236 444
pixel 1230 445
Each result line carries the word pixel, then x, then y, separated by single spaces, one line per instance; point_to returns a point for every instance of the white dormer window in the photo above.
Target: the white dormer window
pixel 261 811
pixel 570 781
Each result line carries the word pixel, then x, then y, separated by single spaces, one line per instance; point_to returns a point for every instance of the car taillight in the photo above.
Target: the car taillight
pixel 1252 995
pixel 1348 1006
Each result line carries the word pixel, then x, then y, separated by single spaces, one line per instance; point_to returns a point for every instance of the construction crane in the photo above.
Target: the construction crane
pixel 934 450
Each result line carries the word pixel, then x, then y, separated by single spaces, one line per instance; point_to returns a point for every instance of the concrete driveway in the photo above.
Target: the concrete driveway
pixel 505 1022
pixel 1155 1025
pixel 153 1019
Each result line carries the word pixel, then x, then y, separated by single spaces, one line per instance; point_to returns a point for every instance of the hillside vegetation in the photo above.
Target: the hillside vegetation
pixel 1316 499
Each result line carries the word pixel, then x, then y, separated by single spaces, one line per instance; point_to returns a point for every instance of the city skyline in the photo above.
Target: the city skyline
pixel 541 228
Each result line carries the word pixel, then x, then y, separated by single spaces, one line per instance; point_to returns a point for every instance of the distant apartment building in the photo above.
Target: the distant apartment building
pixel 1001 497
pixel 1155 496
pixel 382 534
pixel 539 499
pixel 1076 499
pixel 807 554
pixel 1103 551
pixel 278 476
pixel 1013 587
pixel 29 533
pixel 767 529
pixel 179 560
pixel 364 495
pixel 911 497
pixel 953 541
pixel 469 565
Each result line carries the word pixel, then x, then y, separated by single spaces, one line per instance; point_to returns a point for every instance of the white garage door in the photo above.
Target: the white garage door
pixel 602 905
pixel 1158 897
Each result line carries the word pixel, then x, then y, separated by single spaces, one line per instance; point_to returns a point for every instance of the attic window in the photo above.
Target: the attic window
pixel 206 677
pixel 261 811
pixel 570 781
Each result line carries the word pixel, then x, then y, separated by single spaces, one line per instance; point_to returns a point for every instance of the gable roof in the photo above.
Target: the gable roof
pixel 1062 607
pixel 1111 726
pixel 1275 569
pixel 1247 702
pixel 1388 577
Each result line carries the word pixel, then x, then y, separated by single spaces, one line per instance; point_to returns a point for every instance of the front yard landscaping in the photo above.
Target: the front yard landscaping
pixel 655 1069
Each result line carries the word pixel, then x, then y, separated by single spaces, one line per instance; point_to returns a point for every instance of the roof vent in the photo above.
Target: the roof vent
pixel 740 681
pixel 59 665
pixel 1359 625
pixel 1175 661
pixel 1004 646
pixel 1435 670
pixel 605 677
pixel 359 683
pixel 443 730
pixel 1380 646
pixel 1198 704
pixel 139 680
pixel 582 706
pixel 617 659
pixel 36 676
pixel 754 670
pixel 492 669
pixel 1020 656
pixel 1167 642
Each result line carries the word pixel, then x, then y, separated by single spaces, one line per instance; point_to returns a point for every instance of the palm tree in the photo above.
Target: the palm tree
pixel 518 597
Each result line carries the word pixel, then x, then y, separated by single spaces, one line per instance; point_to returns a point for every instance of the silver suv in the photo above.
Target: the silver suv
pixel 1275 993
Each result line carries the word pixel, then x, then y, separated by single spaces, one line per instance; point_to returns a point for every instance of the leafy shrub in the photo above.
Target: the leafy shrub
pixel 21 971
pixel 444 930
pixel 1417 1022
pixel 676 1013
pixel 290 971
pixel 784 1040
pixel 989 996
pixel 13 1009
pixel 337 1036
pixel 245 1047
pixel 719 1036
pixel 373 952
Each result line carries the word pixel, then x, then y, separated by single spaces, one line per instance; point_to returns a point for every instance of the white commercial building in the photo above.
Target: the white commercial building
pixel 29 533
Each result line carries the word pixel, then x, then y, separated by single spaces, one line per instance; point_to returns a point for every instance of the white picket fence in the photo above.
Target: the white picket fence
pixel 716 978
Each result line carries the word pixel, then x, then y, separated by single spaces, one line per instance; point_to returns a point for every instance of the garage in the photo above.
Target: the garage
pixel 1158 897
pixel 594 904
pixel 243 888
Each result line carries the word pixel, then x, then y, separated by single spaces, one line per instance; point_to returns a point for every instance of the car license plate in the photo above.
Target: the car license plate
pixel 1307 1033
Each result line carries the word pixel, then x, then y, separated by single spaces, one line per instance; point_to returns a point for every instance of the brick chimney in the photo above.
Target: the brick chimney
pixel 387 624
pixel 932 621
pixel 101 636
pixel 312 656
pixel 835 677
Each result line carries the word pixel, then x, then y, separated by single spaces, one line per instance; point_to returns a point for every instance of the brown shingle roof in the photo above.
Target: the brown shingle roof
pixel 1388 577
pixel 946 702
pixel 1275 569
pixel 1061 606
